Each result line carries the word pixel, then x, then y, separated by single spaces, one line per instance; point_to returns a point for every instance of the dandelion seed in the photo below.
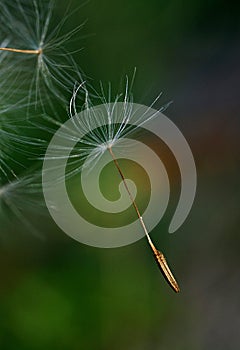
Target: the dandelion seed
pixel 38 57
pixel 100 140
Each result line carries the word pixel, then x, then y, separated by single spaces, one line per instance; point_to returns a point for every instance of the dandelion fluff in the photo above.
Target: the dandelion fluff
pixel 96 134
pixel 39 63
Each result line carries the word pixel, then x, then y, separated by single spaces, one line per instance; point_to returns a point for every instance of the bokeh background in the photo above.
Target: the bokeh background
pixel 56 293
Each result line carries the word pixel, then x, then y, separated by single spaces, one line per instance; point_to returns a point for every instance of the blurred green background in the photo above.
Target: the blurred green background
pixel 59 294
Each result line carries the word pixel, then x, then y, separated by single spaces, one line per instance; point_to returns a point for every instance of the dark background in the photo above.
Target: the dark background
pixel 59 294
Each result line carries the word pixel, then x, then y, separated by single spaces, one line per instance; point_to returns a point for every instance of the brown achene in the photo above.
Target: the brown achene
pixel 159 257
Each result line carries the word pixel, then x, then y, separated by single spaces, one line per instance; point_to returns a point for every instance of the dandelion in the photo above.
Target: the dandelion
pixel 117 123
pixel 35 70
pixel 36 50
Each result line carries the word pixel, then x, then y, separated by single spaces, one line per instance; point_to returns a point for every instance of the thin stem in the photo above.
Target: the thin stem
pixel 31 52
pixel 159 257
